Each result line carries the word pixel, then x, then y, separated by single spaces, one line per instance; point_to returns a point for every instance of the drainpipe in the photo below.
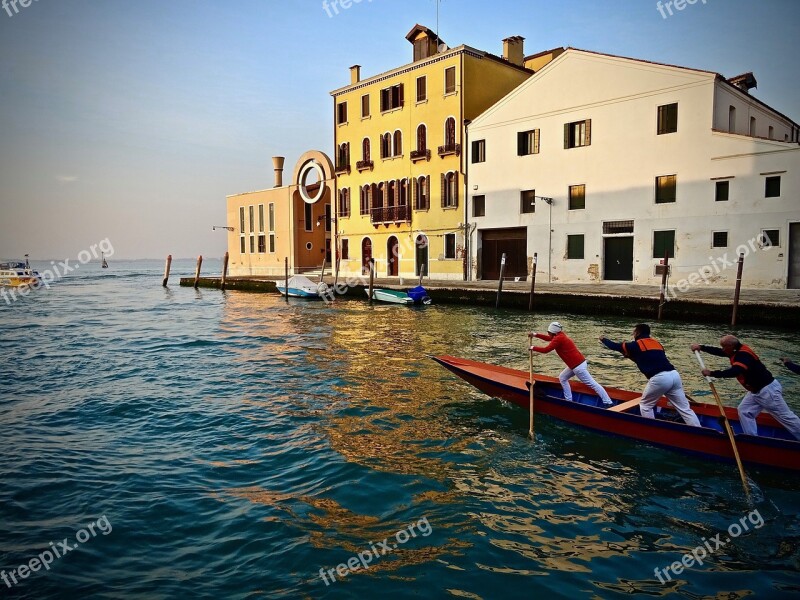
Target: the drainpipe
pixel 467 240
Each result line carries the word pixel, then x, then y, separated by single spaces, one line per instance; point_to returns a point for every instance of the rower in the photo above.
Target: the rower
pixel 764 392
pixel 663 379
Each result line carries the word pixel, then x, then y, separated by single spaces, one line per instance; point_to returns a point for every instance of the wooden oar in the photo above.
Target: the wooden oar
pixel 710 381
pixel 530 429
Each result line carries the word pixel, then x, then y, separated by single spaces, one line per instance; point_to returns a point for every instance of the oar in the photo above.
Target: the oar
pixel 530 427
pixel 710 381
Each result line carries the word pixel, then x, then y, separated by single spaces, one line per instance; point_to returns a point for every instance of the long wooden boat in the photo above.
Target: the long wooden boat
pixel 773 447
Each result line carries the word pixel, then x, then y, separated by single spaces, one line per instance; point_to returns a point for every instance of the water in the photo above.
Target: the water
pixel 236 445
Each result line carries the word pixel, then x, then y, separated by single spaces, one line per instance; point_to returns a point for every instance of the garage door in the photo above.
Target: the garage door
pixel 512 242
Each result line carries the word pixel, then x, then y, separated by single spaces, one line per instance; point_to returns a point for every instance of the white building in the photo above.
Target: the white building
pixel 600 164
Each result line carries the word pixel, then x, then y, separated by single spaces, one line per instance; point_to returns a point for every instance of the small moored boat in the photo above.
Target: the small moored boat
pixel 419 295
pixel 301 286
pixel 391 296
pixel 772 447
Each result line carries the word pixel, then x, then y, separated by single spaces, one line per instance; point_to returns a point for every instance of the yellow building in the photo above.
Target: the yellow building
pixel 400 172
pixel 287 221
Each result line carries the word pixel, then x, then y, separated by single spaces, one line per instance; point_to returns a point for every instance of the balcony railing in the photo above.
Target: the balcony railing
pixel 390 214
pixel 364 165
pixel 450 149
pixel 342 168
pixel 420 155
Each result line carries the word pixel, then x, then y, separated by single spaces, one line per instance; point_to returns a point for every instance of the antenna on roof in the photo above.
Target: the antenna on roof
pixel 438 40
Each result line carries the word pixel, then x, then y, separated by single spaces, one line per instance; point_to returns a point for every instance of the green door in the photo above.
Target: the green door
pixel 618 258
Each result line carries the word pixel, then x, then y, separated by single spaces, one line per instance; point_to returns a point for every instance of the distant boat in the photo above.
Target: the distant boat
pixel 17 274
pixel 104 264
pixel 391 296
pixel 301 286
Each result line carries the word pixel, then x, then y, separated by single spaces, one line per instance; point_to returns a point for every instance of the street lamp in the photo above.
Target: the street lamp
pixel 215 227
pixel 549 202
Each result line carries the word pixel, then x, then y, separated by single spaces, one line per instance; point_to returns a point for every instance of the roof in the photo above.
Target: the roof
pixel 416 29
pixel 544 53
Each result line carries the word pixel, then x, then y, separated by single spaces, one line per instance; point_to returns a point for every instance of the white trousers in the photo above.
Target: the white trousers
pixel 770 400
pixel 669 384
pixel 582 373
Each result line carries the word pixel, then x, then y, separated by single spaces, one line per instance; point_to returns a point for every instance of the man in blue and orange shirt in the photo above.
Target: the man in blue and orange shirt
pixel 764 392
pixel 663 379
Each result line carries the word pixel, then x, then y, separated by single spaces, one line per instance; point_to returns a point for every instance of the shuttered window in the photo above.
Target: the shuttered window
pixel 479 151
pixel 666 189
pixel 341 113
pixel 364 106
pixel 450 190
pixel 392 97
pixel 577 197
pixel 667 118
pixel 663 243
pixel 449 80
pixel 528 142
pixel 575 247
pixel 527 200
pixel 578 134
pixel 719 239
pixel 422 89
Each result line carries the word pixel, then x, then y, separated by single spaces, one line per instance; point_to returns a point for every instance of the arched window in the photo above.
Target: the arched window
pixel 403 197
pixel 364 205
pixel 386 145
pixel 422 138
pixel 398 143
pixel 365 149
pixel 450 189
pixel 391 193
pixel 422 193
pixel 450 132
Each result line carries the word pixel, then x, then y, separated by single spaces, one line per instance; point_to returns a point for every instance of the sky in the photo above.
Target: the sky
pixel 132 120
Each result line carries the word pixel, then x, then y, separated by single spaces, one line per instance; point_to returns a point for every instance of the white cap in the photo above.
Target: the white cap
pixel 554 328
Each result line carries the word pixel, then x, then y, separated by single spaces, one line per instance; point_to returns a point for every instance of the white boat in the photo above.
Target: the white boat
pixel 301 286
pixel 391 296
pixel 17 274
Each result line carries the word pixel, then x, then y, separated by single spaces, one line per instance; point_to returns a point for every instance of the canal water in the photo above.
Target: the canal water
pixel 202 444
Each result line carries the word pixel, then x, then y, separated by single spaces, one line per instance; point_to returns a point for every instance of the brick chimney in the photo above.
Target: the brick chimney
pixel 355 74
pixel 514 50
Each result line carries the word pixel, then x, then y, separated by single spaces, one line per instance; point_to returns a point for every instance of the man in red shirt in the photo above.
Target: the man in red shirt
pixel 575 361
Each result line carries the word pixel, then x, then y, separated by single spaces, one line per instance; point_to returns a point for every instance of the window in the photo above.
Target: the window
pixel 344 202
pixel 421 49
pixel 732 119
pixel 403 193
pixel 252 244
pixel 252 220
pixel 668 118
pixel 450 134
pixel 422 138
pixel 449 245
pixel 241 220
pixel 772 187
pixel 422 89
pixel 365 150
pixel 663 242
pixel 343 156
pixel 479 151
pixel 771 132
pixel 666 186
pixel 449 80
pixel 386 145
pixel 479 206
pixel 527 200
pixel 328 220
pixel 575 247
pixel 308 216
pixel 272 242
pixel 262 243
pixel 364 106
pixel 578 134
pixel 398 143
pixel 528 142
pixel 577 197
pixel 450 190
pixel 753 126
pixel 719 239
pixel 341 113
pixel 364 200
pixel 771 237
pixel 613 227
pixel 242 249
pixel 422 198
pixel 722 191
pixel 272 216
pixel 392 97
pixel 261 217
pixel 345 249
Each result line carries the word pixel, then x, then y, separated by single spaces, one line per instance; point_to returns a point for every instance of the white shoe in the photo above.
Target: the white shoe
pixel 608 403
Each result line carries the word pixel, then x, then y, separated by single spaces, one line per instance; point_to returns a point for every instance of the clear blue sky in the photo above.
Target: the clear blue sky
pixel 132 120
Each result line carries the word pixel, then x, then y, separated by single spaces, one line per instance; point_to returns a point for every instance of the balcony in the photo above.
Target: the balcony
pixel 420 155
pixel 449 149
pixel 390 214
pixel 342 168
pixel 365 165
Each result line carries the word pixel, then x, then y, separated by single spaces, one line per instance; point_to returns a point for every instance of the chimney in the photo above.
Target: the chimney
pixel 513 50
pixel 277 164
pixel 355 74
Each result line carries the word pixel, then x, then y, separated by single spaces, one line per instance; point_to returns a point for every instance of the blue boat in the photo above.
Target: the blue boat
pixel 301 286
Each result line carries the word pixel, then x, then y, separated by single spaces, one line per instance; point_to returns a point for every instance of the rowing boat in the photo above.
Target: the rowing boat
pixel 773 447
pixel 391 296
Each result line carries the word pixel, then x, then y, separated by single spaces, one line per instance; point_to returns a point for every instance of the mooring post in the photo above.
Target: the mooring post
pixel 533 280
pixel 500 284
pixel 664 277
pixel 197 271
pixel 421 273
pixel 371 278
pixel 286 273
pixel 336 274
pixel 738 288
pixel 166 271
pixel 224 271
pixel 322 272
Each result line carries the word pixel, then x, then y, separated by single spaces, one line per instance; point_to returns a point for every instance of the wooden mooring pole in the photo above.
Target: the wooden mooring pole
pixel 664 276
pixel 166 270
pixel 371 278
pixel 322 272
pixel 286 273
pixel 533 280
pixel 197 271
pixel 336 274
pixel 421 273
pixel 500 284
pixel 738 289
pixel 224 271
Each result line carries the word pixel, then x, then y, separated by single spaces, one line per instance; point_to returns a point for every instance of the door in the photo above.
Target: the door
pixel 794 256
pixel 392 258
pixel 328 250
pixel 511 242
pixel 618 258
pixel 366 255
pixel 422 256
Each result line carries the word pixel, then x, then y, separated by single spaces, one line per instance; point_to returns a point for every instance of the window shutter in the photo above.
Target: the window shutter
pixel 588 132
pixel 412 193
pixel 566 136
pixel 402 94
pixel 444 186
pixel 455 189
pixel 521 143
pixel 536 141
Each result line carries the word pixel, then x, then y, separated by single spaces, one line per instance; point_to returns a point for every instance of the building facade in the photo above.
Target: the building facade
pixel 601 166
pixel 400 155
pixel 287 221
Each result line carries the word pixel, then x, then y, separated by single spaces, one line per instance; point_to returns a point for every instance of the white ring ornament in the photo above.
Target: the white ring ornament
pixel 301 183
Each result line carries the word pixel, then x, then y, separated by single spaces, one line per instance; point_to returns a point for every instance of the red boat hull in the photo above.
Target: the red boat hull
pixel 512 385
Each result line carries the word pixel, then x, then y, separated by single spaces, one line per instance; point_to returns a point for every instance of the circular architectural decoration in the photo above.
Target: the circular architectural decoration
pixel 302 182
pixel 309 245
